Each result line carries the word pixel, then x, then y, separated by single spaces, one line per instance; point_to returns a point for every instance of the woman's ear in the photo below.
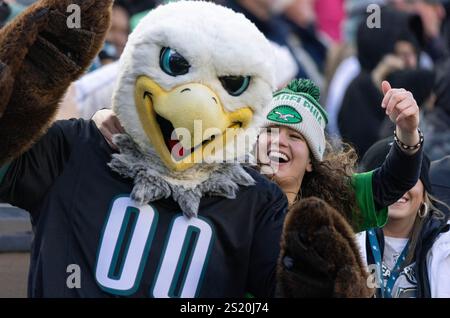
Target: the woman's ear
pixel 309 166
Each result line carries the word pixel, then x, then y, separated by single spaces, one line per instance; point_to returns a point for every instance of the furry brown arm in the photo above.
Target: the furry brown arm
pixel 39 57
pixel 319 255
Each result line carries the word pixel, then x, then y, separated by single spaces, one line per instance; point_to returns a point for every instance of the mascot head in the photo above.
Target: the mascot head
pixel 191 74
pixel 194 76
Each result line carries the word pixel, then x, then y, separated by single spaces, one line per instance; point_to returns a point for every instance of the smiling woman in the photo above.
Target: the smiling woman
pixel 284 154
pixel 321 178
pixel 411 252
pixel 294 152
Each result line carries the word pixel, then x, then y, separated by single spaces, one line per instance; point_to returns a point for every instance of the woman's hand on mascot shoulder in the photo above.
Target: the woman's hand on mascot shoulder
pixel 108 124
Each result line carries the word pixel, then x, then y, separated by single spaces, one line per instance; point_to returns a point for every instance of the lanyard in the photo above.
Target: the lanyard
pixel 386 290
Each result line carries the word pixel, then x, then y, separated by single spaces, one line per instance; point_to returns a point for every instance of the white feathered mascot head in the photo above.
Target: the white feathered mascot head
pixel 194 77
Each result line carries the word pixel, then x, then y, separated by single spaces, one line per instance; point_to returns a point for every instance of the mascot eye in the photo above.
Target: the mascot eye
pixel 235 85
pixel 173 63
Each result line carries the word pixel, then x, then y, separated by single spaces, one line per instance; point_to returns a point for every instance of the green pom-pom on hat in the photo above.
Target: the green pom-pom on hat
pixel 307 89
pixel 304 86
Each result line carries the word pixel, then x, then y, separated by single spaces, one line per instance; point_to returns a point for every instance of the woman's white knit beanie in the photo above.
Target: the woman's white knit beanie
pixel 297 107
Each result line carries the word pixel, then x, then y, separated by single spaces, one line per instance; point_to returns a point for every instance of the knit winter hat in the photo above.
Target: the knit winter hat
pixel 297 107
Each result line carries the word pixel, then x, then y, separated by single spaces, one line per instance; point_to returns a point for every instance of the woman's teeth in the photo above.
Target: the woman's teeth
pixel 278 156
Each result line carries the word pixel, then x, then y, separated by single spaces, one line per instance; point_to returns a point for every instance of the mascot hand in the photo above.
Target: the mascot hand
pixel 319 256
pixel 42 51
pixel 21 33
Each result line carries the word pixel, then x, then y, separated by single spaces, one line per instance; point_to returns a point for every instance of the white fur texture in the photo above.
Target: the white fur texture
pixel 216 42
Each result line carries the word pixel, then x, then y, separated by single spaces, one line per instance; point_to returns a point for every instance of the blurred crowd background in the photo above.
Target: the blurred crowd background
pixel 347 47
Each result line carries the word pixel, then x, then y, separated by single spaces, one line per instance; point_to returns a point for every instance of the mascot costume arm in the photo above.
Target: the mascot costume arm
pixel 40 55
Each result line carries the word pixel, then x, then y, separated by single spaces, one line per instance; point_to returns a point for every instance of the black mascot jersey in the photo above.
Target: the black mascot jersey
pixel 92 240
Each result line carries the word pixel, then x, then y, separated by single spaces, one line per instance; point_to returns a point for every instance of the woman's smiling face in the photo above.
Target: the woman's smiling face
pixel 286 151
pixel 408 205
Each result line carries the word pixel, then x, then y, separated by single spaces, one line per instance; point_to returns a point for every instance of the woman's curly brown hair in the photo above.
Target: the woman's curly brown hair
pixel 331 180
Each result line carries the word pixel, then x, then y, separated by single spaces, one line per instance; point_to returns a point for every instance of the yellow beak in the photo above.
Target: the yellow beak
pixel 181 122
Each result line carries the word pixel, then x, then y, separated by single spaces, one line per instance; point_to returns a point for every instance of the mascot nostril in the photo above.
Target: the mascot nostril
pixel 169 214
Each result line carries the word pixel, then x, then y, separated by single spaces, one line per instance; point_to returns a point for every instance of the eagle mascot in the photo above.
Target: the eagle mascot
pixel 173 213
